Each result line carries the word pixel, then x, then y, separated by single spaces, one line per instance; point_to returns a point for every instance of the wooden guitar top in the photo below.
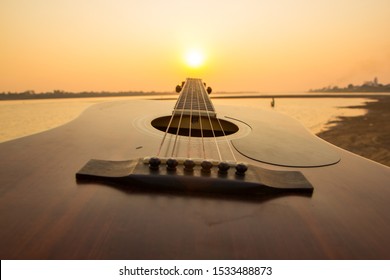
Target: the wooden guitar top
pixel 46 214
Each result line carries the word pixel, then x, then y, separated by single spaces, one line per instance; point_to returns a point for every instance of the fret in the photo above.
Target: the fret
pixel 194 99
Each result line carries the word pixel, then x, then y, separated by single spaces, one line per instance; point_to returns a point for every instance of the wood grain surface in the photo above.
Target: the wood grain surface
pixel 46 214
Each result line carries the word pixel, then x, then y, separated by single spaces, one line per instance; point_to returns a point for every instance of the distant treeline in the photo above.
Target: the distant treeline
pixel 371 86
pixel 30 94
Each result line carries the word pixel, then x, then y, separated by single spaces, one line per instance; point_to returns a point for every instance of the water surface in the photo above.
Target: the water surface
pixel 19 118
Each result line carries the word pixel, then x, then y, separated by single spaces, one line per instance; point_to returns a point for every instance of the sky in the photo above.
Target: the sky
pixel 246 45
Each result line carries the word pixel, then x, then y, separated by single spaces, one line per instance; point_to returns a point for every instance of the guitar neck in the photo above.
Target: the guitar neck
pixel 194 100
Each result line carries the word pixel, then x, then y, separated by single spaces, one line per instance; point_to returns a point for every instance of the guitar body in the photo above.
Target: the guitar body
pixel 45 213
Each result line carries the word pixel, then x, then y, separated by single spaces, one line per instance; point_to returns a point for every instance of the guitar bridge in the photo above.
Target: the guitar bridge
pixel 138 174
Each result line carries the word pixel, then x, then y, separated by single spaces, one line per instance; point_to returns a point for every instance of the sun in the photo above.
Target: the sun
pixel 194 58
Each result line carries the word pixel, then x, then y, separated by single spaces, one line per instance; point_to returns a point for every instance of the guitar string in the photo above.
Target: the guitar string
pixel 202 92
pixel 201 126
pixel 227 140
pixel 170 121
pixel 190 124
pixel 179 125
pixel 166 133
pixel 209 118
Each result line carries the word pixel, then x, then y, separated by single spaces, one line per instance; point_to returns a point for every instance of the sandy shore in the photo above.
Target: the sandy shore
pixel 368 135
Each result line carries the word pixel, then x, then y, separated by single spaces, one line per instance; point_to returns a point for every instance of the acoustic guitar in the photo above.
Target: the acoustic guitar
pixel 187 180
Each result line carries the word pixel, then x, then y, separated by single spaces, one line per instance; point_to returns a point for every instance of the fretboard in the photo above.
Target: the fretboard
pixel 194 100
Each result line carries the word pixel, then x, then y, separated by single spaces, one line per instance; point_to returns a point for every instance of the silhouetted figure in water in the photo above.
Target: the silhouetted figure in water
pixel 273 102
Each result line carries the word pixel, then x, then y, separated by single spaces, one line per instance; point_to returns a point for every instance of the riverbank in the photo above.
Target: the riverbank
pixel 368 135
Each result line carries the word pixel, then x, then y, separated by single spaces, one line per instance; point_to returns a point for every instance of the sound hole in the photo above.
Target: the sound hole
pixel 197 124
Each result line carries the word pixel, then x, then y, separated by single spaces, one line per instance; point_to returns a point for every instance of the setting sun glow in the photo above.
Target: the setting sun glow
pixel 270 46
pixel 194 58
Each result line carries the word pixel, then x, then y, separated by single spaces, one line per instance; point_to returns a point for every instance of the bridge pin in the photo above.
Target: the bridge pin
pixel 171 164
pixel 189 165
pixel 154 163
pixel 223 167
pixel 206 166
pixel 241 168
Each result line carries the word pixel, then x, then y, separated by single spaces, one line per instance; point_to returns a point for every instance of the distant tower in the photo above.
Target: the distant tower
pixel 375 81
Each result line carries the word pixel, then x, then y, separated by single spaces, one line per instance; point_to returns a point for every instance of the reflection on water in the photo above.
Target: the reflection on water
pixel 313 113
pixel 19 118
